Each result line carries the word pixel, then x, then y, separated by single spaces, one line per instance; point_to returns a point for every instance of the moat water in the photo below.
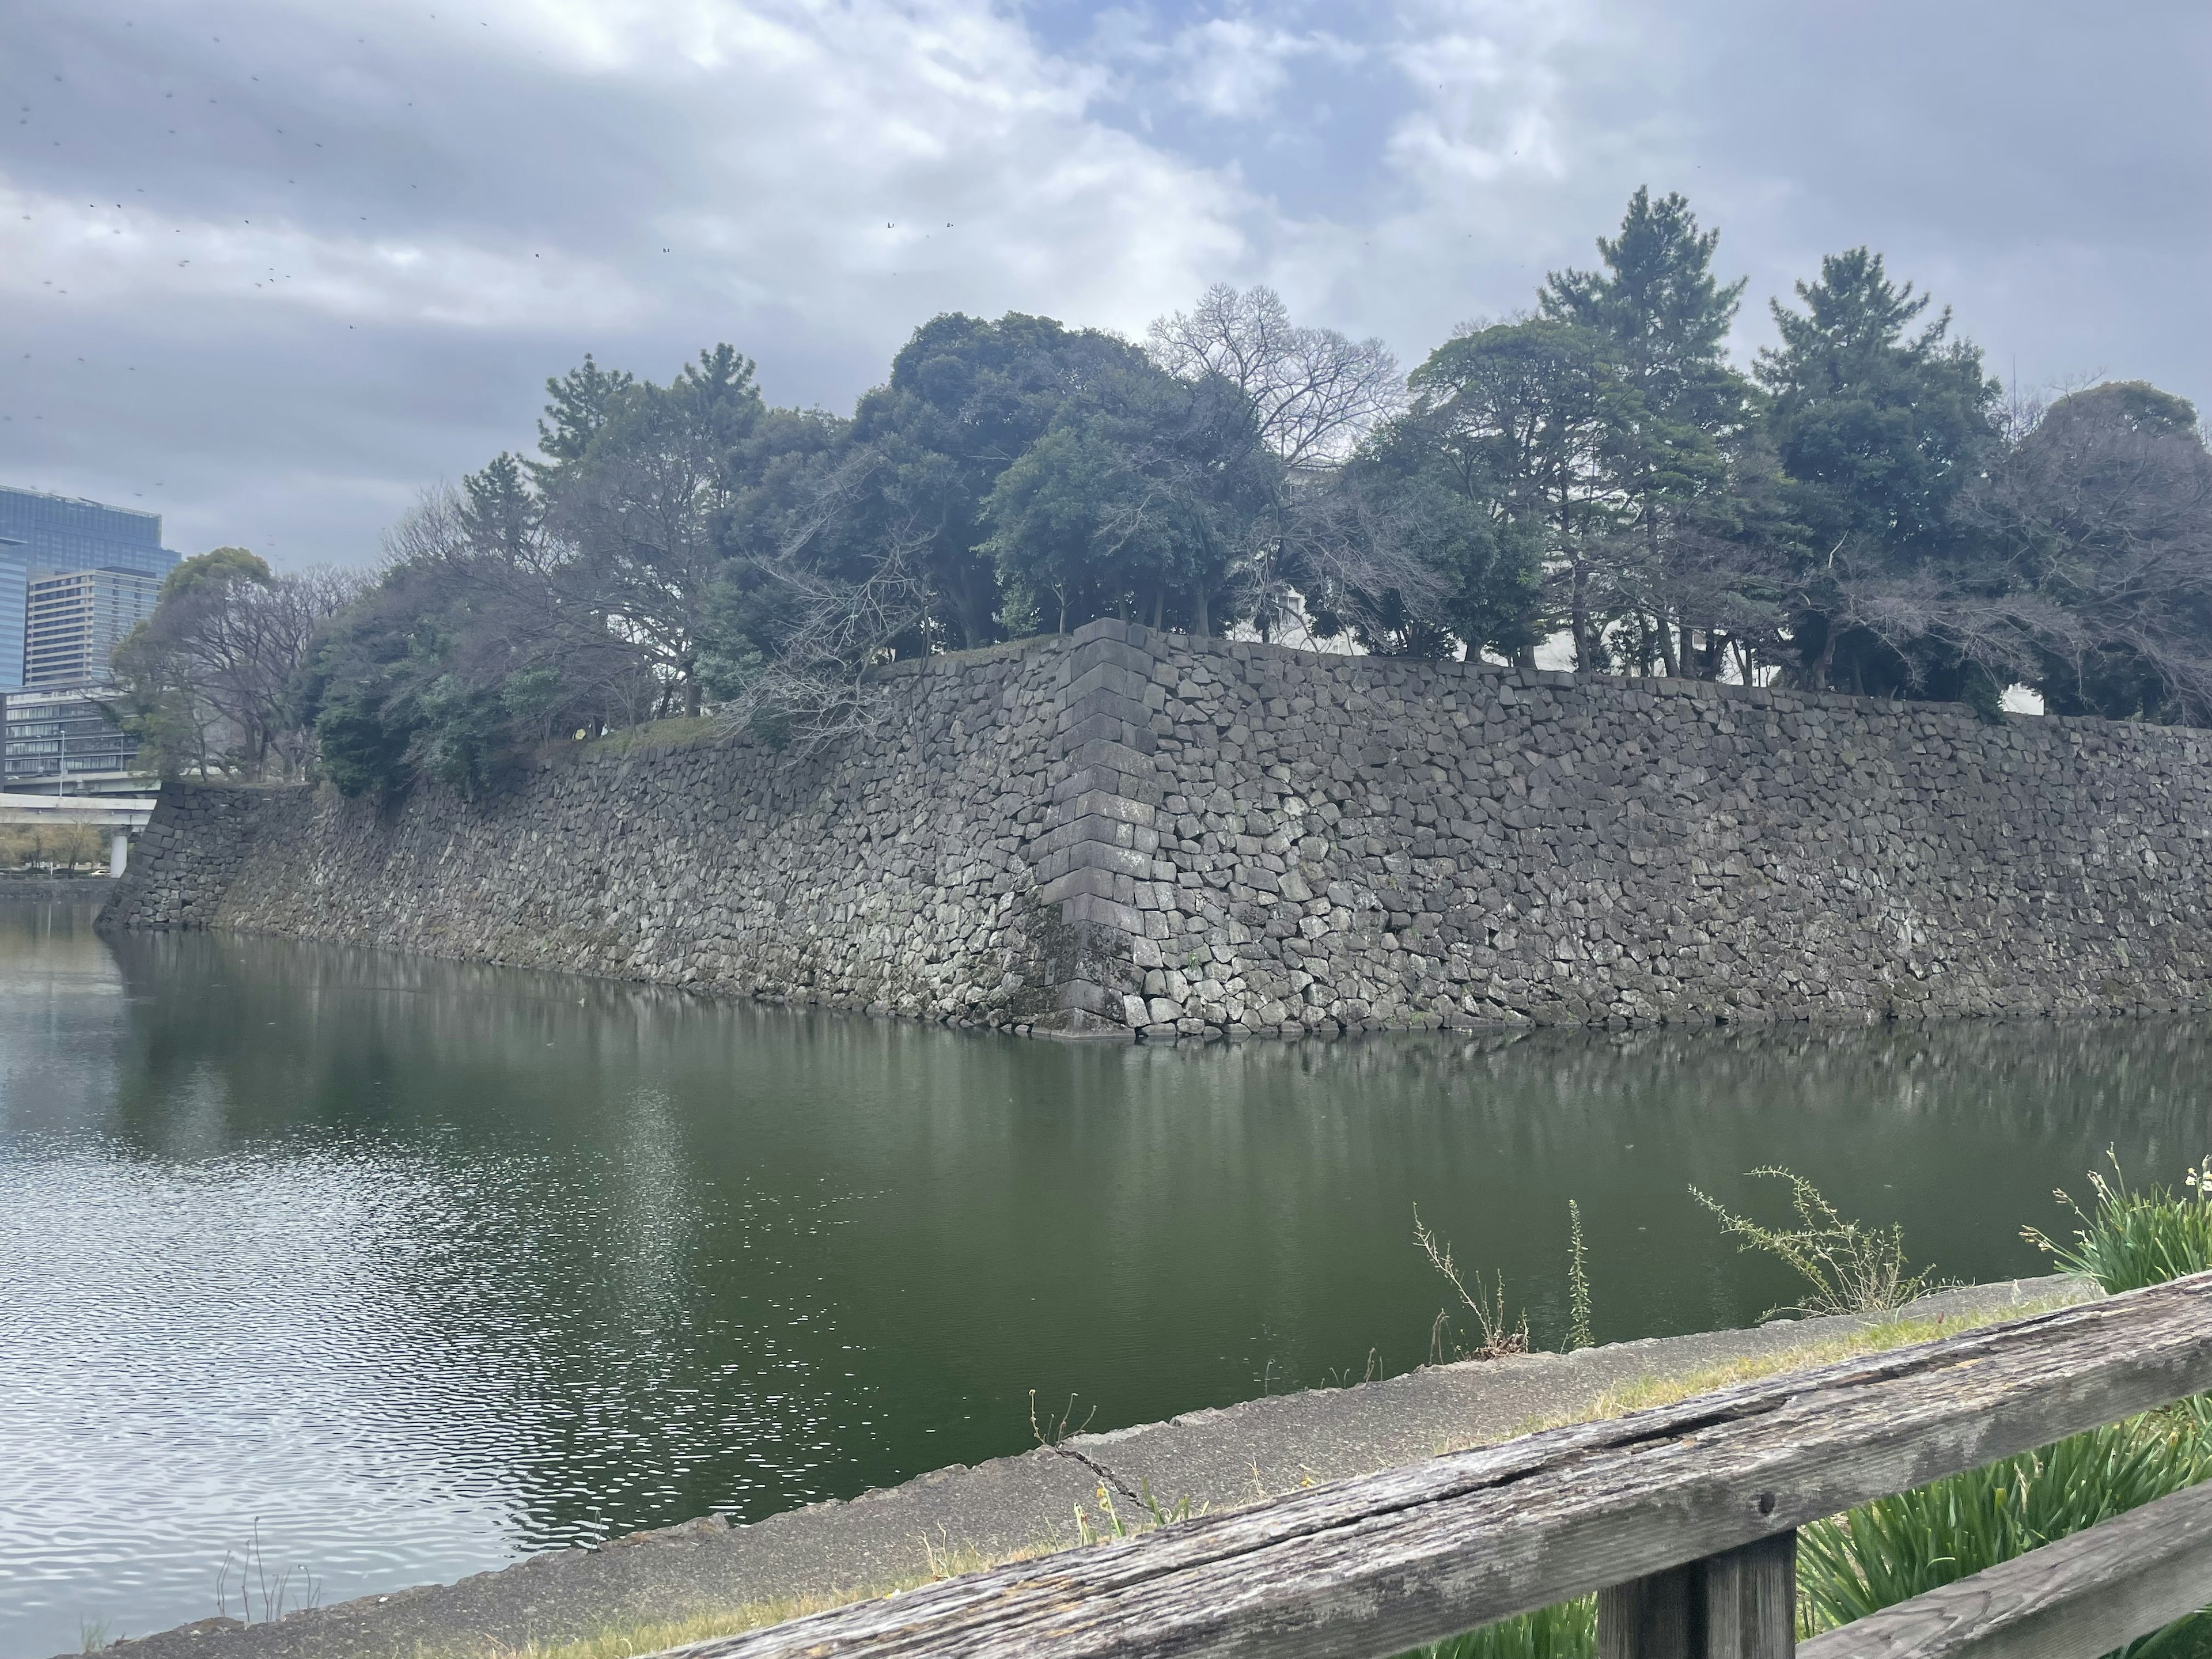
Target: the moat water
pixel 408 1268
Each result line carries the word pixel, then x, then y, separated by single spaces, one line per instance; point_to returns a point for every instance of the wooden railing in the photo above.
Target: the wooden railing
pixel 1683 1520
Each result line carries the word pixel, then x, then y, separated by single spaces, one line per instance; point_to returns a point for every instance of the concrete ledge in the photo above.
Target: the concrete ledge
pixel 1216 1458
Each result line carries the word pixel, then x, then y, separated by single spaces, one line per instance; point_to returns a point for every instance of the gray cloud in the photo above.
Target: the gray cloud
pixel 271 267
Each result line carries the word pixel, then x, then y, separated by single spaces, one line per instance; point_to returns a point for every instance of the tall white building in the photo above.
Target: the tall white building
pixel 73 621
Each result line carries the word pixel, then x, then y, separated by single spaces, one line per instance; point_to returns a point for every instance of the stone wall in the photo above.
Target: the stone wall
pixel 185 860
pixel 1130 830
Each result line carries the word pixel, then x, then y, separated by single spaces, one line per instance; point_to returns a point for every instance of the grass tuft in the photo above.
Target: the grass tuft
pixel 2132 1238
pixel 679 731
pixel 1644 1392
pixel 628 1639
pixel 1500 1335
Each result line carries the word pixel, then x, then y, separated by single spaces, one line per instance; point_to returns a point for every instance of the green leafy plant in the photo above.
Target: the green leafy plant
pixel 2131 1238
pixel 1851 1268
pixel 1896 1548
pixel 1565 1631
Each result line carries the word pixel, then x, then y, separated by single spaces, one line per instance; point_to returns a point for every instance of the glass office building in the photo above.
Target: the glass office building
pixel 43 536
pixel 64 743
pixel 15 610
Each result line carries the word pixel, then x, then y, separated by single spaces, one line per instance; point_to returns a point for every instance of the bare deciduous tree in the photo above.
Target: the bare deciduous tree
pixel 2101 514
pixel 1355 557
pixel 207 680
pixel 1315 393
pixel 813 687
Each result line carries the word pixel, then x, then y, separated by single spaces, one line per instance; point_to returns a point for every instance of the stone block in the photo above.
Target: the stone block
pixel 1103 910
pixel 1116 680
pixel 1139 788
pixel 1111 753
pixel 1112 730
pixel 1085 657
pixel 1101 628
pixel 1109 803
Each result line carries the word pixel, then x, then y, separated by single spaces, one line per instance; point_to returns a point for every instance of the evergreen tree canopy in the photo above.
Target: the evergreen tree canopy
pixel 1877 427
pixel 1855 512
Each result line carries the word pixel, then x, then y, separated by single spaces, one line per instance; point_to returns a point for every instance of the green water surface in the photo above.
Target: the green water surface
pixel 410 1268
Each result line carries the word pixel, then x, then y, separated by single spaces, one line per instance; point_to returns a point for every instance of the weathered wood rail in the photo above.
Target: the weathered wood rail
pixel 1683 1519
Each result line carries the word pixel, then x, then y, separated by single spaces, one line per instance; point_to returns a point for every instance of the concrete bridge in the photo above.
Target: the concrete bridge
pixel 118 814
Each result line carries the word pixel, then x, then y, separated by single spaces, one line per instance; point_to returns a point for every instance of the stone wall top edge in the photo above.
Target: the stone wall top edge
pixel 1519 679
pixel 1441 674
pixel 954 662
pixel 230 787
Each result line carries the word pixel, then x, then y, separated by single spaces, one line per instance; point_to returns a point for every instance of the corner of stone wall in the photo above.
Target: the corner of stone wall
pixel 185 860
pixel 1099 839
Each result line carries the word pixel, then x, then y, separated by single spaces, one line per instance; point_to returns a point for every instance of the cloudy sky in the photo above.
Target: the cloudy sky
pixel 271 266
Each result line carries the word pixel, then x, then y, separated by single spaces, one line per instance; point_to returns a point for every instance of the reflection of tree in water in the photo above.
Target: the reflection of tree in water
pixel 2051 1076
pixel 1957 1129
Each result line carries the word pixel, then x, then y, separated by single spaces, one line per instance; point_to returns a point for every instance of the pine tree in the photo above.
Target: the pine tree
pixel 1878 429
pixel 1665 317
pixel 578 404
pixel 498 510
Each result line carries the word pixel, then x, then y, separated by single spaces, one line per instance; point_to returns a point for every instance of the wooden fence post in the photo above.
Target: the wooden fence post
pixel 1741 1604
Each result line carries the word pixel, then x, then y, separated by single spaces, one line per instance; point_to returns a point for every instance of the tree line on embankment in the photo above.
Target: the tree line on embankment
pixel 1861 507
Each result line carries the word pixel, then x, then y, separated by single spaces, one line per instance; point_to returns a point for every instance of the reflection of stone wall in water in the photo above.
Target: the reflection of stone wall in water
pixel 1126 828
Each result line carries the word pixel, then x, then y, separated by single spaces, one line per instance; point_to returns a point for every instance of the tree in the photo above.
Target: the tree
pixel 1521 415
pixel 644 503
pixel 795 625
pixel 1431 553
pixel 578 404
pixel 498 507
pixel 1877 429
pixel 1311 395
pixel 474 645
pixel 1673 448
pixel 965 399
pixel 207 680
pixel 1140 499
pixel 2100 514
pixel 1084 526
pixel 214 570
pixel 1314 393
